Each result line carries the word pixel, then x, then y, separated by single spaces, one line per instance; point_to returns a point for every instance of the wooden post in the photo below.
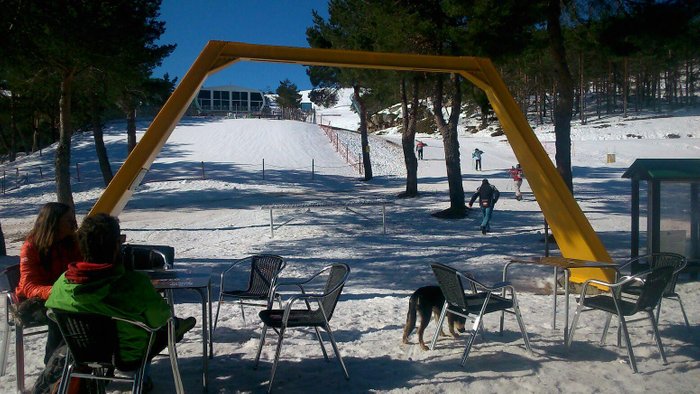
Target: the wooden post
pixel 312 168
pixel 41 175
pixel 263 169
pixel 336 142
pixel 77 171
pixel 346 153
pixel 272 228
pixel 203 174
pixel 546 240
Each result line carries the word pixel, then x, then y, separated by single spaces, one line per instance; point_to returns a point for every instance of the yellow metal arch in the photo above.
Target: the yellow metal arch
pixel 574 234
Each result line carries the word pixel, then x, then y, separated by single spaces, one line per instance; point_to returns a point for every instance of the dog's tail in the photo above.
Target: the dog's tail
pixel 410 318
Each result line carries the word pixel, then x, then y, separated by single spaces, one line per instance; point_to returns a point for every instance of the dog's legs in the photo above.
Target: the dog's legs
pixel 436 315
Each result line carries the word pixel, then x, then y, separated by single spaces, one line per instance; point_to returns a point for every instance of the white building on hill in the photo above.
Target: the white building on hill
pixel 229 99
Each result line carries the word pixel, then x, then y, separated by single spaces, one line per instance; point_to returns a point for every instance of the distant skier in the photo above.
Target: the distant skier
pixel 476 155
pixel 487 195
pixel 419 148
pixel 517 174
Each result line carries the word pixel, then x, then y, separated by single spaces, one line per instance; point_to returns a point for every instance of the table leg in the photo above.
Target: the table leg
pixel 555 285
pixel 566 305
pixel 211 322
pixel 205 341
pixel 5 347
pixel 272 229
pixel 172 351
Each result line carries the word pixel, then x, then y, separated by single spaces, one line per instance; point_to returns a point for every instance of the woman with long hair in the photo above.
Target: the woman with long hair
pixel 48 249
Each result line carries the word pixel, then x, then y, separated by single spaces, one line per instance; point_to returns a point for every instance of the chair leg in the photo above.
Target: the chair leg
pixel 685 317
pixel 521 323
pixel 67 370
pixel 5 347
pixel 19 357
pixel 320 342
pixel 658 309
pixel 675 297
pixel 137 387
pixel 260 346
pixel 218 307
pixel 606 327
pixel 574 323
pixel 437 330
pixel 658 337
pixel 240 303
pixel 277 359
pixel 471 338
pixel 630 352
pixel 337 353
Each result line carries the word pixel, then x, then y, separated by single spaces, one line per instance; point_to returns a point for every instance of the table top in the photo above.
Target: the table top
pixel 179 278
pixel 565 262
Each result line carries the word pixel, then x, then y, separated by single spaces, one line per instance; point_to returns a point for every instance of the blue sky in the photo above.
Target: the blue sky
pixel 190 24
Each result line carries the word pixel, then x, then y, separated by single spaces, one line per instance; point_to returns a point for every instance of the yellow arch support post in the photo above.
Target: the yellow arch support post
pixel 574 234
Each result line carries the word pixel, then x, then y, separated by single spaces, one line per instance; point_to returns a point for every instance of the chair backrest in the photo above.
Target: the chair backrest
pixel 662 259
pixel 264 269
pixel 653 289
pixel 145 257
pixel 9 278
pixel 451 284
pixel 337 276
pixel 91 338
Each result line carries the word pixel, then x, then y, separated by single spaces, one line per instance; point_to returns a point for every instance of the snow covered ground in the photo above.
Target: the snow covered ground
pixel 214 217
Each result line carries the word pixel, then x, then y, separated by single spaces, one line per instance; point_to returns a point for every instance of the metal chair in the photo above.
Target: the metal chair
pixel 655 260
pixel 9 279
pixel 93 348
pixel 264 270
pixel 652 285
pixel 481 299
pixel 147 257
pixel 280 319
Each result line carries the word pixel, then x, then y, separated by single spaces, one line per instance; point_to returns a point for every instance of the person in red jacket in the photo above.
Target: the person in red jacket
pixel 48 249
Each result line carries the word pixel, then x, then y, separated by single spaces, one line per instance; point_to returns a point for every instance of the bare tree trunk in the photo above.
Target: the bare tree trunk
pixel 597 99
pixel 451 144
pixel 363 133
pixel 582 90
pixel 12 151
pixel 563 108
pixel 35 133
pixel 131 128
pixel 63 186
pixel 625 85
pixel 3 250
pixel 690 80
pixel 408 138
pixel 98 135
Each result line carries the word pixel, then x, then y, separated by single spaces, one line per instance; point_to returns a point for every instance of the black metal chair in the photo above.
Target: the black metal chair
pixel 93 348
pixel 480 300
pixel 9 279
pixel 655 260
pixel 652 285
pixel 147 257
pixel 264 270
pixel 281 319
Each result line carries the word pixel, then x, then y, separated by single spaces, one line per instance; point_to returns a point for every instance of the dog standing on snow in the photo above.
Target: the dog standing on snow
pixel 423 301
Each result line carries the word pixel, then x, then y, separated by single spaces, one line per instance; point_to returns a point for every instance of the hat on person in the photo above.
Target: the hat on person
pixel 485 181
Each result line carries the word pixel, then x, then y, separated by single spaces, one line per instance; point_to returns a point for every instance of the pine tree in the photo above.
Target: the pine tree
pixel 288 98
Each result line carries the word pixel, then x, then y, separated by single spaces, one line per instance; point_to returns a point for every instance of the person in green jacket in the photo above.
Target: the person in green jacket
pixel 100 284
